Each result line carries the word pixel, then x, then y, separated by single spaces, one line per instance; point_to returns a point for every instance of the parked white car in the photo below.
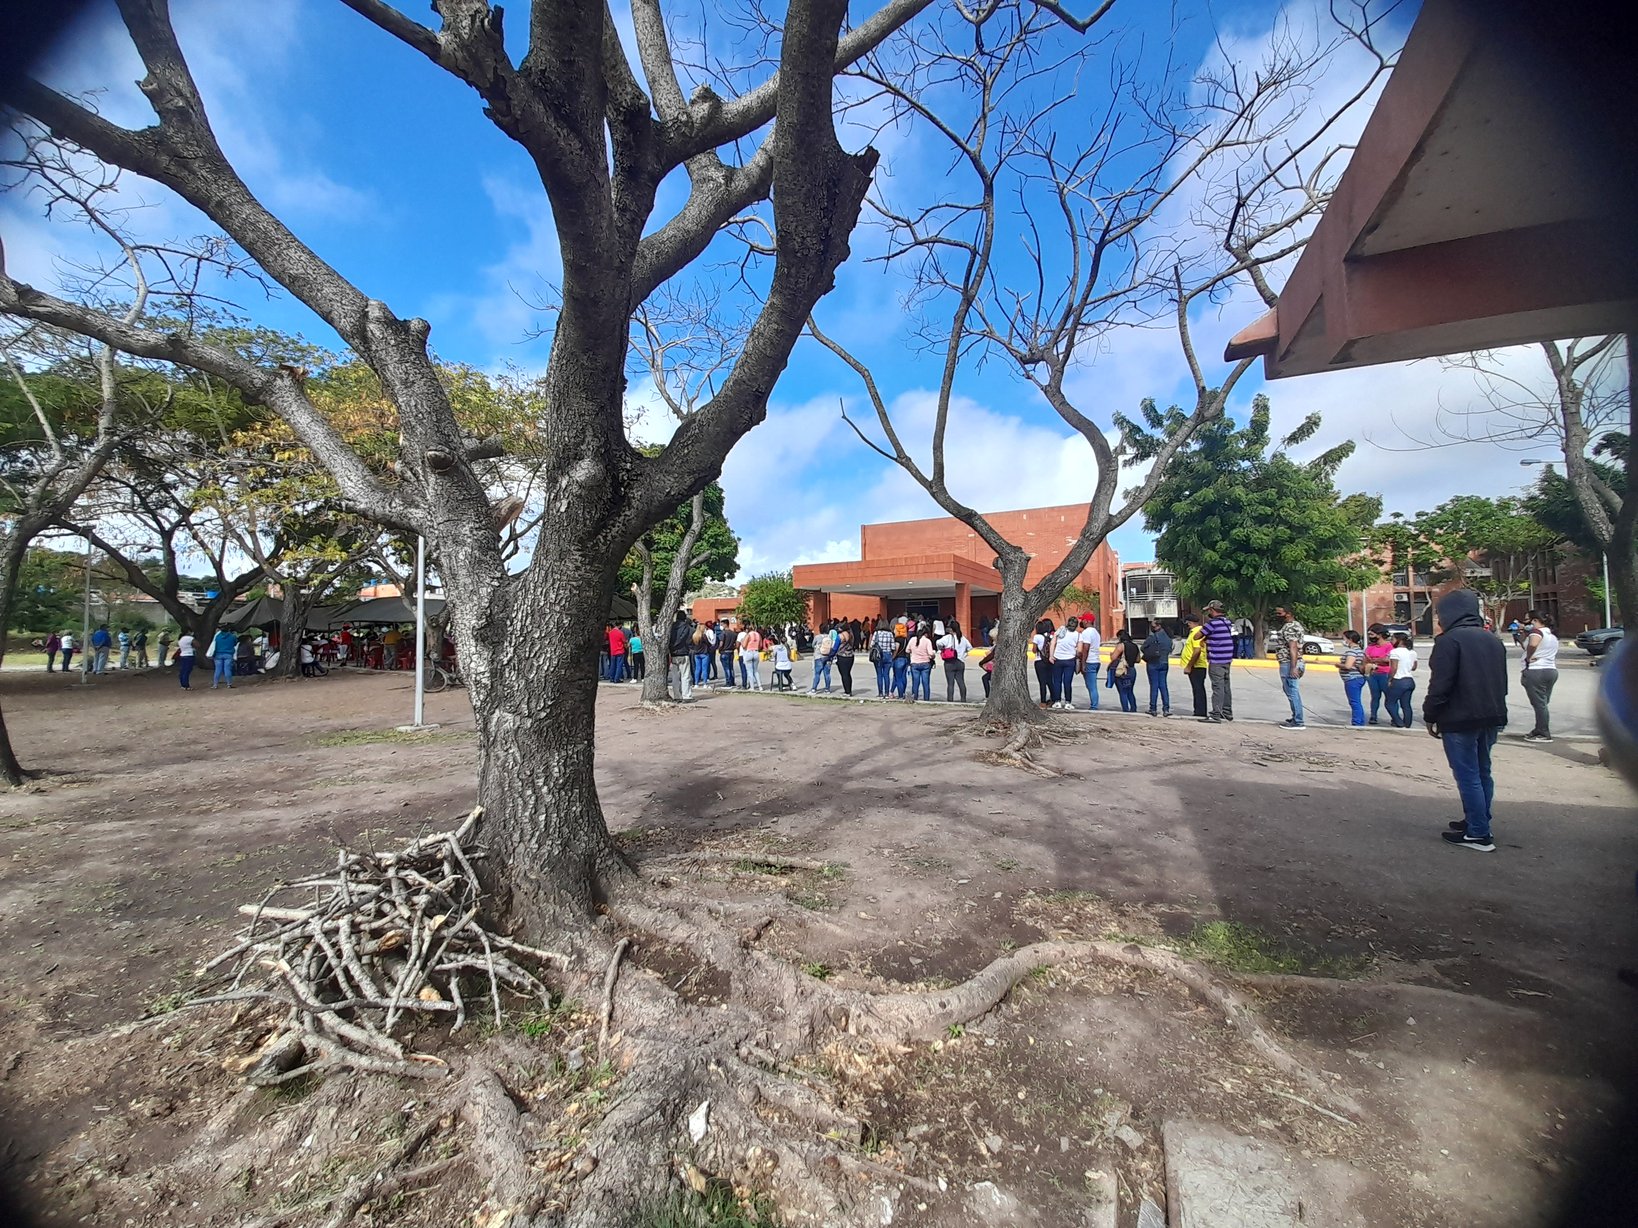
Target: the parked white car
pixel 1312 644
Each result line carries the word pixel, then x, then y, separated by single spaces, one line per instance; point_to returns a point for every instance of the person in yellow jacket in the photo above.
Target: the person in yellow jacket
pixel 1193 663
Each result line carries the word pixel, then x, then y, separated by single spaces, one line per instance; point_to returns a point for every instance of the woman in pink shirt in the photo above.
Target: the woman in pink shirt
pixel 922 651
pixel 1378 669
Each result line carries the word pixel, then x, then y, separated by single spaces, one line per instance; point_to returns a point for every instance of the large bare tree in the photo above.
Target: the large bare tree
pixel 1091 216
pixel 602 144
pixel 1579 396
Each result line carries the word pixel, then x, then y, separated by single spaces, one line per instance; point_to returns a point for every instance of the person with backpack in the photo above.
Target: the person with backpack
pixel 1123 670
pixel 901 662
pixel 1066 648
pixel 680 650
pixel 824 656
pixel 844 656
pixel 1193 663
pixel 1041 642
pixel 1157 660
pixel 881 656
pixel 953 648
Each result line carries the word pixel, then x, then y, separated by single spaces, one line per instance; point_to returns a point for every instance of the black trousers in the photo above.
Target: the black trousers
pixel 844 667
pixel 1043 678
pixel 1197 682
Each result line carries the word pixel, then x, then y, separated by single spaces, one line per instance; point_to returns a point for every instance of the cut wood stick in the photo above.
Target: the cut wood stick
pixel 609 978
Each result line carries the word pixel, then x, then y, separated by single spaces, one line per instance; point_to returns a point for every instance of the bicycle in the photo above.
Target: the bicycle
pixel 441 677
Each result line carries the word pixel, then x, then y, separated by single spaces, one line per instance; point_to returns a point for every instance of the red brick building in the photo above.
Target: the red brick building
pixel 941 568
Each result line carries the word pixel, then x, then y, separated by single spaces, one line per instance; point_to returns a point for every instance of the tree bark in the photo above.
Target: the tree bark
pixel 16 550
pixel 654 682
pixel 292 626
pixel 1012 697
pixel 534 695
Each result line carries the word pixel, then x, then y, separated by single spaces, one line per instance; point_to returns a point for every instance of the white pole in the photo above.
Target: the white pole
pixel 1607 621
pixel 85 633
pixel 420 629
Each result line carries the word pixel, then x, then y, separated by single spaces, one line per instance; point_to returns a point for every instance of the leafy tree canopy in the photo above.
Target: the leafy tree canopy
pixel 1252 527
pixel 771 600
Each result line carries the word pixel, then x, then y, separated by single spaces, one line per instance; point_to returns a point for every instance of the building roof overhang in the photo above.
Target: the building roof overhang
pixel 1492 199
pixel 931 575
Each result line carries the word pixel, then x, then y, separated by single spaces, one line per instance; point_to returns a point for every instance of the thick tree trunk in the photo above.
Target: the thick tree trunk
pixel 292 627
pixel 532 679
pixel 1012 696
pixel 15 550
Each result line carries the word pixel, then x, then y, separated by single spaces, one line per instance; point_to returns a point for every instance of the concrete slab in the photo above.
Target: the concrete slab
pixel 1218 1179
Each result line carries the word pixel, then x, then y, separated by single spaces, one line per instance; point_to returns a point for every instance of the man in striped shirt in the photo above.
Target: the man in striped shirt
pixel 1219 661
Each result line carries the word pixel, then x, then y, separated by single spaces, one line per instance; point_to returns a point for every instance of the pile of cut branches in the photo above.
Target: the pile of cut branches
pixel 348 957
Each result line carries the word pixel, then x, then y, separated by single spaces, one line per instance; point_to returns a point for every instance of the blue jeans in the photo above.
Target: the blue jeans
pixel 1379 690
pixel 617 667
pixel 702 666
pixel 1089 675
pixel 921 681
pixel 224 671
pixel 1354 686
pixel 727 659
pixel 1157 686
pixel 1126 688
pixel 1399 702
pixel 821 669
pixel 184 671
pixel 1468 754
pixel 1063 681
pixel 884 678
pixel 901 675
pixel 1293 691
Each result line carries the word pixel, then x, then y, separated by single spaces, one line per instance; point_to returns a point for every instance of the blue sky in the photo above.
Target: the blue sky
pixel 387 167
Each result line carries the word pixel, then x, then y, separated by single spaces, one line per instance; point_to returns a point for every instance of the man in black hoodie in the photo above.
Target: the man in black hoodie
pixel 1465 708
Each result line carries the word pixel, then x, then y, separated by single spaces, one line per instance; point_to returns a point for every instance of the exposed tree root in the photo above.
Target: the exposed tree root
pixel 1021 739
pixel 704 1093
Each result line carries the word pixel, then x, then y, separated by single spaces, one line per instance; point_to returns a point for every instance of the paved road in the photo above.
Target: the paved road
pixel 1257 694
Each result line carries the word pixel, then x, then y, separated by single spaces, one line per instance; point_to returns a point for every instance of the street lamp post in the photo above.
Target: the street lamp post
pixel 1608 613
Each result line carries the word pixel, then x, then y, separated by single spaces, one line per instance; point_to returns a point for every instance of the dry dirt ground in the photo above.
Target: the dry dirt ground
pixel 1468 1003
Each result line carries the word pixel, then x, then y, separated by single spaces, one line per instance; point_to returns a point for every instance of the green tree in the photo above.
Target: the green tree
pixel 1255 529
pixel 1489 542
pixel 715 556
pixel 771 600
pixel 50 590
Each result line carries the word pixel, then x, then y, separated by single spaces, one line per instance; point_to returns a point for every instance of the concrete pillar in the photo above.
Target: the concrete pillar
pixel 964 608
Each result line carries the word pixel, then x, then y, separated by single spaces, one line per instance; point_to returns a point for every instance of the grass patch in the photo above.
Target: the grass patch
pixel 1009 864
pixel 1243 948
pixel 819 972
pixel 718 1207
pixel 1070 896
pixel 372 737
pixel 813 901
pixel 166 1003
pixel 536 1024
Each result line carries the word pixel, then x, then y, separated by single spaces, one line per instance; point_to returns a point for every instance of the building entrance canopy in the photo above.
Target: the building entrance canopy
pixel 877 588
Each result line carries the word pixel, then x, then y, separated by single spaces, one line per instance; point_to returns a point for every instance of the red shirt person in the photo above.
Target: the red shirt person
pixel 617 654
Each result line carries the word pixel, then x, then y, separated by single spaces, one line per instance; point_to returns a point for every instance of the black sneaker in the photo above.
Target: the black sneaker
pixel 1538 737
pixel 1228 718
pixel 1457 825
pixel 1463 840
pixel 1292 725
